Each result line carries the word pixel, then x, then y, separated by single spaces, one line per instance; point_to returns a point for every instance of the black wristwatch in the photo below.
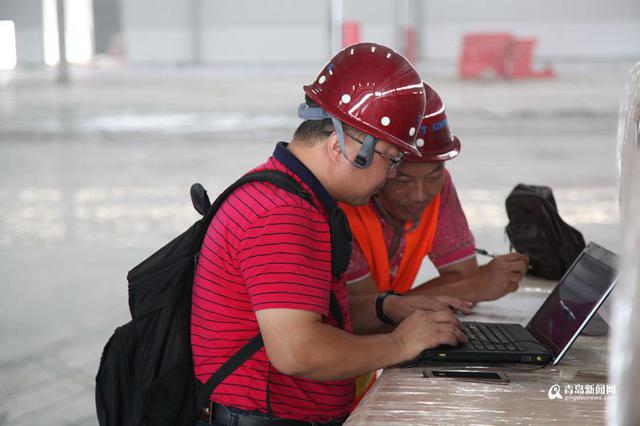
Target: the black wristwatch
pixel 379 307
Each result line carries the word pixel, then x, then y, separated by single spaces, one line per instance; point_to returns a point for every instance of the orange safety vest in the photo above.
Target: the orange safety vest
pixel 367 230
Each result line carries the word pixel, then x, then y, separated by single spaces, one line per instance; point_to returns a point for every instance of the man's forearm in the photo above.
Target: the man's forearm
pixel 362 308
pixel 329 353
pixel 448 285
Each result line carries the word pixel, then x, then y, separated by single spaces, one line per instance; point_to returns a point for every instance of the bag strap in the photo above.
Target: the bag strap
pixel 280 179
pixel 246 352
pixel 334 307
pixel 286 182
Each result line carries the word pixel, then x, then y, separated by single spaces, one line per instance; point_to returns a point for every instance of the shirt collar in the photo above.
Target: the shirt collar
pixel 286 157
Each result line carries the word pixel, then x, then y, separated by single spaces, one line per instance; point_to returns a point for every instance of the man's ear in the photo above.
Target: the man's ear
pixel 333 147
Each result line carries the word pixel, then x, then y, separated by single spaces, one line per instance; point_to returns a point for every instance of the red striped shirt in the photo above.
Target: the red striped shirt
pixel 266 248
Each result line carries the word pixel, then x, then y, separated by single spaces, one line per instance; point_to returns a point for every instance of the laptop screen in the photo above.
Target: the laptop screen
pixel 575 299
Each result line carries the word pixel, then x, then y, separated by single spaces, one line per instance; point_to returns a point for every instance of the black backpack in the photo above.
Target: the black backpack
pixel 146 372
pixel 536 229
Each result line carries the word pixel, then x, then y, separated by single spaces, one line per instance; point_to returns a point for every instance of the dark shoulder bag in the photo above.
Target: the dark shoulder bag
pixel 536 229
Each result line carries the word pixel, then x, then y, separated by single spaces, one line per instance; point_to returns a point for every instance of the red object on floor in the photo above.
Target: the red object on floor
pixel 485 52
pixel 499 54
pixel 521 58
pixel 350 33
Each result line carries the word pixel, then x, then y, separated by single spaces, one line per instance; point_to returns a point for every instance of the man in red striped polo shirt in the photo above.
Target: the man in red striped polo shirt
pixel 266 261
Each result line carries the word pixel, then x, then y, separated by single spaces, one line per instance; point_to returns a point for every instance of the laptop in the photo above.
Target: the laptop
pixel 553 328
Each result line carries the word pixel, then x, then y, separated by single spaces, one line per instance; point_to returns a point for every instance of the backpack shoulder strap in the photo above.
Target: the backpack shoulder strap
pixel 280 179
pixel 246 352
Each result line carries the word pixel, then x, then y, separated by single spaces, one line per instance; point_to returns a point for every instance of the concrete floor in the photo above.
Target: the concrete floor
pixel 96 175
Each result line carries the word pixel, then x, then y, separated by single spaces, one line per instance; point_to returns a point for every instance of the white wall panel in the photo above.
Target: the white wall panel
pixel 265 45
pixel 297 31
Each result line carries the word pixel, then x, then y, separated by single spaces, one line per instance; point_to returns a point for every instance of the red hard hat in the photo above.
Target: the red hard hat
pixel 373 89
pixel 435 141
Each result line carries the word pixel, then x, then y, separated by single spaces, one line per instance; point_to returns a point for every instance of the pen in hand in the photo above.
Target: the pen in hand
pixel 485 253
pixel 493 256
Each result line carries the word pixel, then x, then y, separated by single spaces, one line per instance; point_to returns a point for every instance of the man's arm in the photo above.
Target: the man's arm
pixel 362 306
pixel 299 344
pixel 362 300
pixel 489 282
pixel 452 281
pixel 452 273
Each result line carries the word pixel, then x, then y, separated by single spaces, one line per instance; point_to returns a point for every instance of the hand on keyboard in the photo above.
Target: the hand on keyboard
pixel 425 330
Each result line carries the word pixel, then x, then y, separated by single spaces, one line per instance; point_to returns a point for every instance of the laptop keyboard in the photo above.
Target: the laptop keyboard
pixel 489 337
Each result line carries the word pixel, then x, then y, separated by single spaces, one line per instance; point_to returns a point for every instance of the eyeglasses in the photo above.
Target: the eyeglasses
pixel 393 161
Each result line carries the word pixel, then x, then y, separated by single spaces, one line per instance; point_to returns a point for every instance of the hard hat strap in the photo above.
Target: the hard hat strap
pixel 307 112
pixel 364 158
